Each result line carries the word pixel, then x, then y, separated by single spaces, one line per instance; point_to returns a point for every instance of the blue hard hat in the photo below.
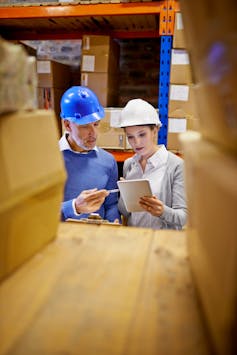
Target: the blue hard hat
pixel 80 105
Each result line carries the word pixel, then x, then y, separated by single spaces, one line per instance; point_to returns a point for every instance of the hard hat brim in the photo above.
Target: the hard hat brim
pixel 93 117
pixel 141 124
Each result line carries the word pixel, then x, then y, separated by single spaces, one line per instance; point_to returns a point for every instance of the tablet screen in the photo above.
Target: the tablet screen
pixel 132 190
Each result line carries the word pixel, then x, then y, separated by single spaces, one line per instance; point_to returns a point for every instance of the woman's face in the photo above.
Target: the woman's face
pixel 142 139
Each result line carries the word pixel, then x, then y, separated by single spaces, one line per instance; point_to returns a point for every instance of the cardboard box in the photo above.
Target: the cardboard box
pixel 179 33
pixel 217 107
pixel 176 126
pixel 182 101
pixel 31 185
pixel 212 243
pixel 100 54
pixel 180 67
pixel 202 18
pixel 110 135
pixel 213 52
pixel 49 99
pixel 96 44
pixel 104 85
pixel 208 25
pixel 53 74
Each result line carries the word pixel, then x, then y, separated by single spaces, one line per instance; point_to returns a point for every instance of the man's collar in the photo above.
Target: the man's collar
pixel 64 145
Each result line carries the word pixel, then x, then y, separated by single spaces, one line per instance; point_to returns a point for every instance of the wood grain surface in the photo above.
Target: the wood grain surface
pixel 104 290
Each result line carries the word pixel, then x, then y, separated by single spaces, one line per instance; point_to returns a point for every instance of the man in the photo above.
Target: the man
pixel 91 171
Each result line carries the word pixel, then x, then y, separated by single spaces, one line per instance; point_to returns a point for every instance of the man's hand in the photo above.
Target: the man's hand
pixel 90 200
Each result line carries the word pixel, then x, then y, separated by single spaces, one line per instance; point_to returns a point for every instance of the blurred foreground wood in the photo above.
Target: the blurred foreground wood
pixel 104 290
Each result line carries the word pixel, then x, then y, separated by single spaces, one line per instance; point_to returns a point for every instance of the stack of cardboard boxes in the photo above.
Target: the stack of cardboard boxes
pixel 110 135
pixel 32 177
pixel 53 79
pixel 100 72
pixel 100 67
pixel 182 110
pixel 211 165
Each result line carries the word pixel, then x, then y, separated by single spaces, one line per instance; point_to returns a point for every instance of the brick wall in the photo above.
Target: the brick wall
pixel 139 70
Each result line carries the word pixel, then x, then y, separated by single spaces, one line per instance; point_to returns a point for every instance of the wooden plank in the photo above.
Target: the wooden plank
pixel 78 294
pixel 103 290
pixel 167 318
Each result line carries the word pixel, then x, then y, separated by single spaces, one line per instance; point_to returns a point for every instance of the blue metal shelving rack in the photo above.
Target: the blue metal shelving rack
pixel 164 83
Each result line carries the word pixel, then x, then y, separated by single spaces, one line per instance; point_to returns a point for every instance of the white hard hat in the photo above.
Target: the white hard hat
pixel 138 112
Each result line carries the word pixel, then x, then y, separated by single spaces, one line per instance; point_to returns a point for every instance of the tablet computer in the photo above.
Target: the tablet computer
pixel 132 190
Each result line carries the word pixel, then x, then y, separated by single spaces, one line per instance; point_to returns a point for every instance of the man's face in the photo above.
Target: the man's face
pixel 82 137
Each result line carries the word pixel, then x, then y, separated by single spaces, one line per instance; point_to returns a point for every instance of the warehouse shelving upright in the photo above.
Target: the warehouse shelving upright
pixel 166 31
pixel 120 20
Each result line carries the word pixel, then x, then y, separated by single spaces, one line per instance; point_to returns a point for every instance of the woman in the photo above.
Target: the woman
pixel 166 209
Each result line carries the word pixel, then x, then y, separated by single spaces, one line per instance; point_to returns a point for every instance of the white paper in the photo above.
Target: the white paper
pixel 179 57
pixel 179 92
pixel 177 125
pixel 88 63
pixel 179 21
pixel 43 67
pixel 84 79
pixel 115 118
pixel 86 43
